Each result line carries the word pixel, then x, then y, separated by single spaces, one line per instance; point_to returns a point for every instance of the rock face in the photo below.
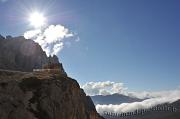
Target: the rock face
pixel 25 96
pixel 18 53
pixel 37 95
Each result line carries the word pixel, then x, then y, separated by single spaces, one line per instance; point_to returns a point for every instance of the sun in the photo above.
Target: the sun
pixel 37 19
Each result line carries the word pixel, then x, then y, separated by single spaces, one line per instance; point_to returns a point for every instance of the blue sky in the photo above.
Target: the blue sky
pixel 134 42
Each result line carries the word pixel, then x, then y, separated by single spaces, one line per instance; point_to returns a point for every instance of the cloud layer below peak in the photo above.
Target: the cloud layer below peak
pixel 150 98
pixel 148 103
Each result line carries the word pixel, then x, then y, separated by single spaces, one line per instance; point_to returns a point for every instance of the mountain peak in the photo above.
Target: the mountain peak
pixel 18 53
pixel 44 93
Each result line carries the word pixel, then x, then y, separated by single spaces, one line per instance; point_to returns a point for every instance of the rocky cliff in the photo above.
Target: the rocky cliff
pixel 26 96
pixel 18 53
pixel 37 95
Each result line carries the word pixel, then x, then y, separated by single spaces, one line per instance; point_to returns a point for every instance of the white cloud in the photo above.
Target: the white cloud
pixel 57 48
pixel 103 88
pixel 77 39
pixel 155 94
pixel 50 38
pixel 148 103
pixel 32 33
pixel 108 87
pixel 56 33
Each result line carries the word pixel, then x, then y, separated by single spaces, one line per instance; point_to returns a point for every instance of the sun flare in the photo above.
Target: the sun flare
pixel 37 19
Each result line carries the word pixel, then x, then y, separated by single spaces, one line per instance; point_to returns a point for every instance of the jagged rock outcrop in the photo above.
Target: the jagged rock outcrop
pixel 24 96
pixel 18 53
pixel 40 94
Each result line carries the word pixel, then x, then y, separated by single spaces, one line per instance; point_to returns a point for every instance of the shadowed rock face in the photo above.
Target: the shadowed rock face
pixel 37 95
pixel 25 96
pixel 18 53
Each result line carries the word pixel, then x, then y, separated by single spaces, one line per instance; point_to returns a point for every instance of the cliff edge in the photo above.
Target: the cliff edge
pixel 20 54
pixel 25 94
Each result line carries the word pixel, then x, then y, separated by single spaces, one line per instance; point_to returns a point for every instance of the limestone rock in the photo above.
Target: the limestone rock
pixel 25 96
pixel 18 53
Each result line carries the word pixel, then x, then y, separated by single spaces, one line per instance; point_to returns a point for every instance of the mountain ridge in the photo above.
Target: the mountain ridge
pixel 114 99
pixel 18 53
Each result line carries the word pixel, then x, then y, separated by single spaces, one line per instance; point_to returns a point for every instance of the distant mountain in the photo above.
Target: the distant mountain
pixel 18 53
pixel 114 99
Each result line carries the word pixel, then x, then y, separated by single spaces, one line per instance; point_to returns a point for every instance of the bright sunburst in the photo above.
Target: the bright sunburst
pixel 37 19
